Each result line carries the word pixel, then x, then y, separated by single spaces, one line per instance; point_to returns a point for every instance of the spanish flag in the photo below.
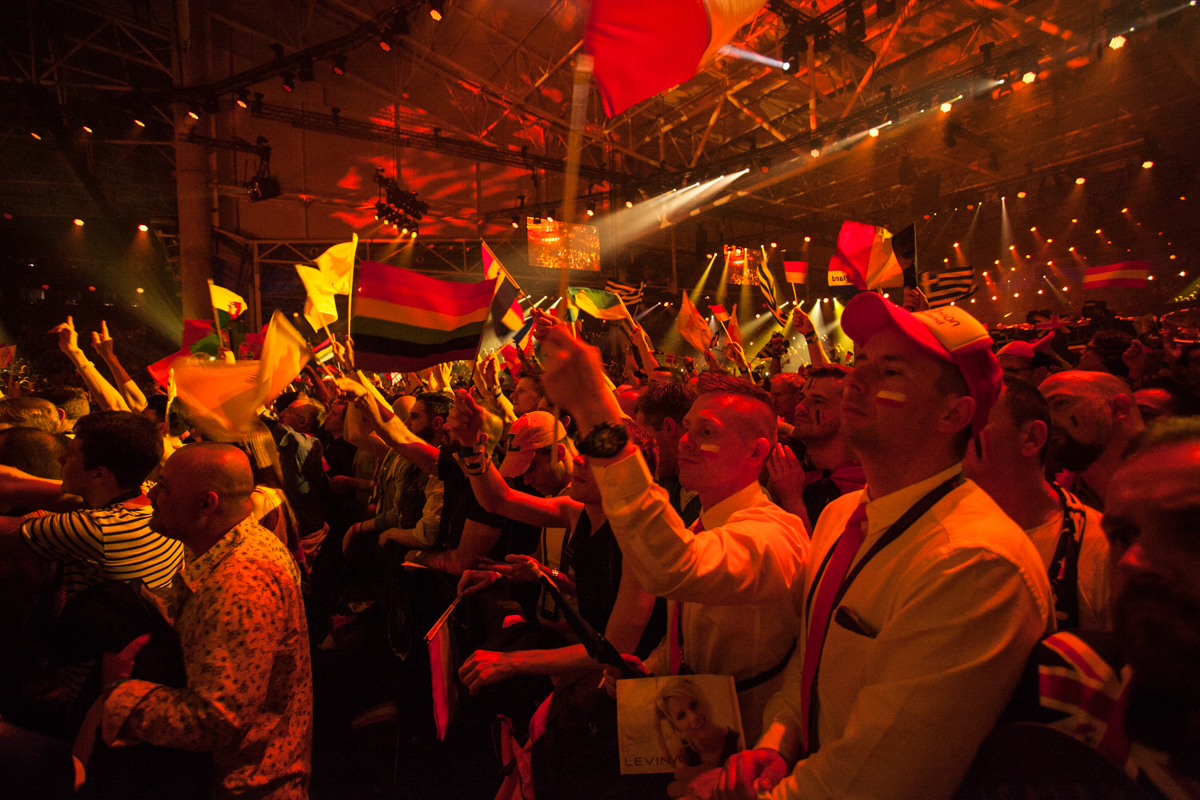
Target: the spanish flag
pixel 405 321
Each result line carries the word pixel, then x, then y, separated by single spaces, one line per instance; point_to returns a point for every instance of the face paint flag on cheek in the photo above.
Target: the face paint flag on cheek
pixel 710 448
pixel 892 399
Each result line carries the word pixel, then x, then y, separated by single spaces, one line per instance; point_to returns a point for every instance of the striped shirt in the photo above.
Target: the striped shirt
pixel 110 543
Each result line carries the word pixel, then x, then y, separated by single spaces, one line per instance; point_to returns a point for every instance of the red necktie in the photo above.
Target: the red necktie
pixel 822 610
pixel 675 634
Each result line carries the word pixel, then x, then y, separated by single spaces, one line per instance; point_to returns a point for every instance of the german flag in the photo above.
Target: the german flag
pixel 405 321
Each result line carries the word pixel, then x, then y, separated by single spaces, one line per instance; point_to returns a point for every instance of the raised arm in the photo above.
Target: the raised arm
pixel 132 393
pixel 816 353
pixel 101 390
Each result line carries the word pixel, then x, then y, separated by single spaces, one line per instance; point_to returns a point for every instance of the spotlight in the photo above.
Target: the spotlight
pixel 1125 210
pixel 1116 42
pixel 139 123
pixel 140 290
pixel 1147 164
pixel 1080 181
pixel 1029 77
pixel 78 222
pixel 1021 195
pixel 807 239
pixel 143 228
pixel 946 106
pixel 874 132
pixel 591 208
pixel 339 64
pixel 516 222
pixel 629 204
pixel 243 98
pixel 815 152
pixel 436 9
pixel 549 216
pixel 35 135
pixel 86 129
pixel 289 82
pixel 194 111
pixel 537 220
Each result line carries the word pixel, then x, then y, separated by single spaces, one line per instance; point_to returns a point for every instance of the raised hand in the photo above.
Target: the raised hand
pixel 68 338
pixel 102 342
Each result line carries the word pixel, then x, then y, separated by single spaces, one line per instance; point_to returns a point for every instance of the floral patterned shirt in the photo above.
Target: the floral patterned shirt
pixel 240 618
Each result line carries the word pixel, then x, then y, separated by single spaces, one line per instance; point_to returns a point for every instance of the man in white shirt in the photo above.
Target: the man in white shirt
pixel 922 600
pixel 729 577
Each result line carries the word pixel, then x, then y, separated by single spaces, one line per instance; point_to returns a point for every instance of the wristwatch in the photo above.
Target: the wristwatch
pixel 604 440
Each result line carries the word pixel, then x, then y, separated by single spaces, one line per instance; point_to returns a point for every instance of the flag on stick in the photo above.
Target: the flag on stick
pixel 766 282
pixel 948 286
pixel 642 48
pixel 337 265
pixel 8 354
pixel 320 309
pixel 1127 274
pixel 735 330
pixel 864 258
pixel 405 321
pixel 507 314
pixel 719 312
pixel 224 300
pixel 226 397
pixel 691 325
pixel 599 303
pixel 796 271
pixel 630 296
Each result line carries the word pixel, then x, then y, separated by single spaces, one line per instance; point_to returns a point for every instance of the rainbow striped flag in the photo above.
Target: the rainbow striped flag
pixel 405 321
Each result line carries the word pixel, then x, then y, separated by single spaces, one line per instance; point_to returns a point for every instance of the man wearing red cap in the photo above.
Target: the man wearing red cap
pixel 922 599
pixel 1033 361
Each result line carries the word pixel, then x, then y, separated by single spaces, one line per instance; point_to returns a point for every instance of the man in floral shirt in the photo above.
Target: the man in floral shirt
pixel 238 611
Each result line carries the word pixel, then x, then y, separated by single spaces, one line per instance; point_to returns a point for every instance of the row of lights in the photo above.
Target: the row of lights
pixel 46 287
pixel 143 227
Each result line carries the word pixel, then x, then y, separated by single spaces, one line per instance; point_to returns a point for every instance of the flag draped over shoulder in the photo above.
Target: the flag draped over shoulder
pixel 796 271
pixel 643 47
pixel 405 321
pixel 1127 274
pixel 948 286
pixel 320 309
pixel 337 265
pixel 766 282
pixel 691 325
pixel 864 258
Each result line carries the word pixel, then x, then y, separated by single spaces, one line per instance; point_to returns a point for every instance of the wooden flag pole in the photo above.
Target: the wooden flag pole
pixel 216 318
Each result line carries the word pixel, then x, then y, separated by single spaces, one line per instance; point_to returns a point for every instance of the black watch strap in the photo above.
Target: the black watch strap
pixel 604 440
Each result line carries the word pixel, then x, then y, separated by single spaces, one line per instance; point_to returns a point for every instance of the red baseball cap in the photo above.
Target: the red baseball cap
pixel 948 333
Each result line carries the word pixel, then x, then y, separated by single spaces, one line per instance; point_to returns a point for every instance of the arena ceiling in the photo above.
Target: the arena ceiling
pixel 1038 99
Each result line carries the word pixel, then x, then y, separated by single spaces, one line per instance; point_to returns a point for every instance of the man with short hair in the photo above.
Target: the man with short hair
pixel 526 395
pixel 110 539
pixel 728 577
pixel 1094 418
pixel 1008 460
pixel 786 388
pixel 1103 353
pixel 72 404
pixel 29 412
pixel 660 410
pixel 830 468
pixel 1135 696
pixel 922 600
pixel 240 617
pixel 304 415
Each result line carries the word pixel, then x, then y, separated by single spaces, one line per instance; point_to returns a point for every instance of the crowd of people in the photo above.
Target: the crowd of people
pixel 417 586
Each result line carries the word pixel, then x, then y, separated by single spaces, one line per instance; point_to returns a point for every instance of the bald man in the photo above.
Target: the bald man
pixel 1094 416
pixel 238 611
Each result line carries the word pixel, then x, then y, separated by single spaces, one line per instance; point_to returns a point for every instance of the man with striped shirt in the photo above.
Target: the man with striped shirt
pixel 110 538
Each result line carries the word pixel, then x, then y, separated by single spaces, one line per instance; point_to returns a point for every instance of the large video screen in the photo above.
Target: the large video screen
pixel 548 245
pixel 742 265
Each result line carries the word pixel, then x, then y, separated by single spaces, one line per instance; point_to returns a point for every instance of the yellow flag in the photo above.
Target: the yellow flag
pixel 319 309
pixel 691 325
pixel 224 300
pixel 226 398
pixel 337 265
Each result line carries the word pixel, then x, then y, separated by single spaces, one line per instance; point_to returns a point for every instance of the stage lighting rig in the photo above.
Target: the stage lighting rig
pixel 400 208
